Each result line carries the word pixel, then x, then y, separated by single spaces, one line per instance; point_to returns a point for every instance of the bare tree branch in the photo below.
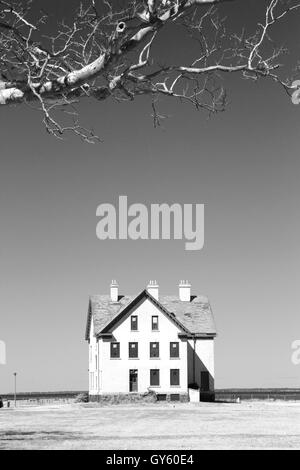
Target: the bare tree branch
pixel 110 52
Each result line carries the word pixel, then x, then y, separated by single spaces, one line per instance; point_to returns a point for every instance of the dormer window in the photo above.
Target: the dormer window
pixel 154 323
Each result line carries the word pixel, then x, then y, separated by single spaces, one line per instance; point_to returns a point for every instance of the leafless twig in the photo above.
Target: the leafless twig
pixel 106 51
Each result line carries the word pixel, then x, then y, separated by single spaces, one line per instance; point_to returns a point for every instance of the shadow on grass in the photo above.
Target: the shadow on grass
pixel 226 402
pixel 25 435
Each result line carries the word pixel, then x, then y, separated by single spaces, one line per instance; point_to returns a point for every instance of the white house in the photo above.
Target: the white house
pixel 150 342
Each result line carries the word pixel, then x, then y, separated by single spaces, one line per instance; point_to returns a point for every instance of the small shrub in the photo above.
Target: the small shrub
pixel 82 398
pixel 150 396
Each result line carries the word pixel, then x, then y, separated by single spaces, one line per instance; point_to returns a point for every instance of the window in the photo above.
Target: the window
pixel 92 380
pixel 133 380
pixel 154 377
pixel 204 381
pixel 174 349
pixel 134 323
pixel 174 377
pixel 114 350
pixel 96 361
pixel 133 350
pixel 154 349
pixel 174 397
pixel 161 397
pixel 154 323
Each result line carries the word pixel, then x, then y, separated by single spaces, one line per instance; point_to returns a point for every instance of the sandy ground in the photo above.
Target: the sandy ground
pixel 246 425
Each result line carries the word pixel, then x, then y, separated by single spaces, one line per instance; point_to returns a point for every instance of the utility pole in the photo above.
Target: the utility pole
pixel 15 374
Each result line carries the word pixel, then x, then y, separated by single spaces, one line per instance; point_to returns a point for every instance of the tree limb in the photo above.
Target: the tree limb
pixel 108 52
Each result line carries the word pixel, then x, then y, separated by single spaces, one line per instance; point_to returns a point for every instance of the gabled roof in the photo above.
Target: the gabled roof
pixel 194 317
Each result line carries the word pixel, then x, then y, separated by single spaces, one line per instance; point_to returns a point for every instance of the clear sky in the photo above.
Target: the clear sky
pixel 242 164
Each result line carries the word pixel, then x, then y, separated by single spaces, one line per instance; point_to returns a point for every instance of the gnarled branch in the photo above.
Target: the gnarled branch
pixel 108 52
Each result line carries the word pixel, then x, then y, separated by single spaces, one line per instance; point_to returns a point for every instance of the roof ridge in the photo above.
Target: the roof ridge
pixel 195 316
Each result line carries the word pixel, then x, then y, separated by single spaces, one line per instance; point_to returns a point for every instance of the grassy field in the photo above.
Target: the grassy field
pixel 245 425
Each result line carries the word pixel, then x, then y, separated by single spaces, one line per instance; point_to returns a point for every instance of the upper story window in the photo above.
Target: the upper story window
pixel 133 350
pixel 154 349
pixel 134 322
pixel 114 350
pixel 154 323
pixel 174 349
pixel 174 377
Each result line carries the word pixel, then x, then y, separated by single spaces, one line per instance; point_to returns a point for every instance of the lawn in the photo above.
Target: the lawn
pixel 163 426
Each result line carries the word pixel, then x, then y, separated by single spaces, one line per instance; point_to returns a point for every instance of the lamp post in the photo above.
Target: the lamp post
pixel 15 375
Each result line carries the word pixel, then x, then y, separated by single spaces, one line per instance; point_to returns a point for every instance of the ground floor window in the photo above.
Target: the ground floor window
pixel 133 380
pixel 174 377
pixel 204 381
pixel 154 377
pixel 91 380
pixel 161 397
pixel 174 397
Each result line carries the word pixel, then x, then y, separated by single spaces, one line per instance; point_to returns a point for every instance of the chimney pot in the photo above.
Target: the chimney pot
pixel 184 291
pixel 153 289
pixel 114 291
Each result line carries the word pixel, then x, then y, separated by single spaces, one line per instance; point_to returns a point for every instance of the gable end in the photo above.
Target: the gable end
pixel 143 295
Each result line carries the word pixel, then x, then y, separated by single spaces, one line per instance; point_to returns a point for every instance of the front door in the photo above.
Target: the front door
pixel 133 380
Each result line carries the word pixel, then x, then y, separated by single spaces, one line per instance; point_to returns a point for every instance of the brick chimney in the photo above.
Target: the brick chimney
pixel 184 291
pixel 114 291
pixel 153 289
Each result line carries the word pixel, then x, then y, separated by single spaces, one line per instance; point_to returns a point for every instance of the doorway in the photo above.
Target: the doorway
pixel 133 380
